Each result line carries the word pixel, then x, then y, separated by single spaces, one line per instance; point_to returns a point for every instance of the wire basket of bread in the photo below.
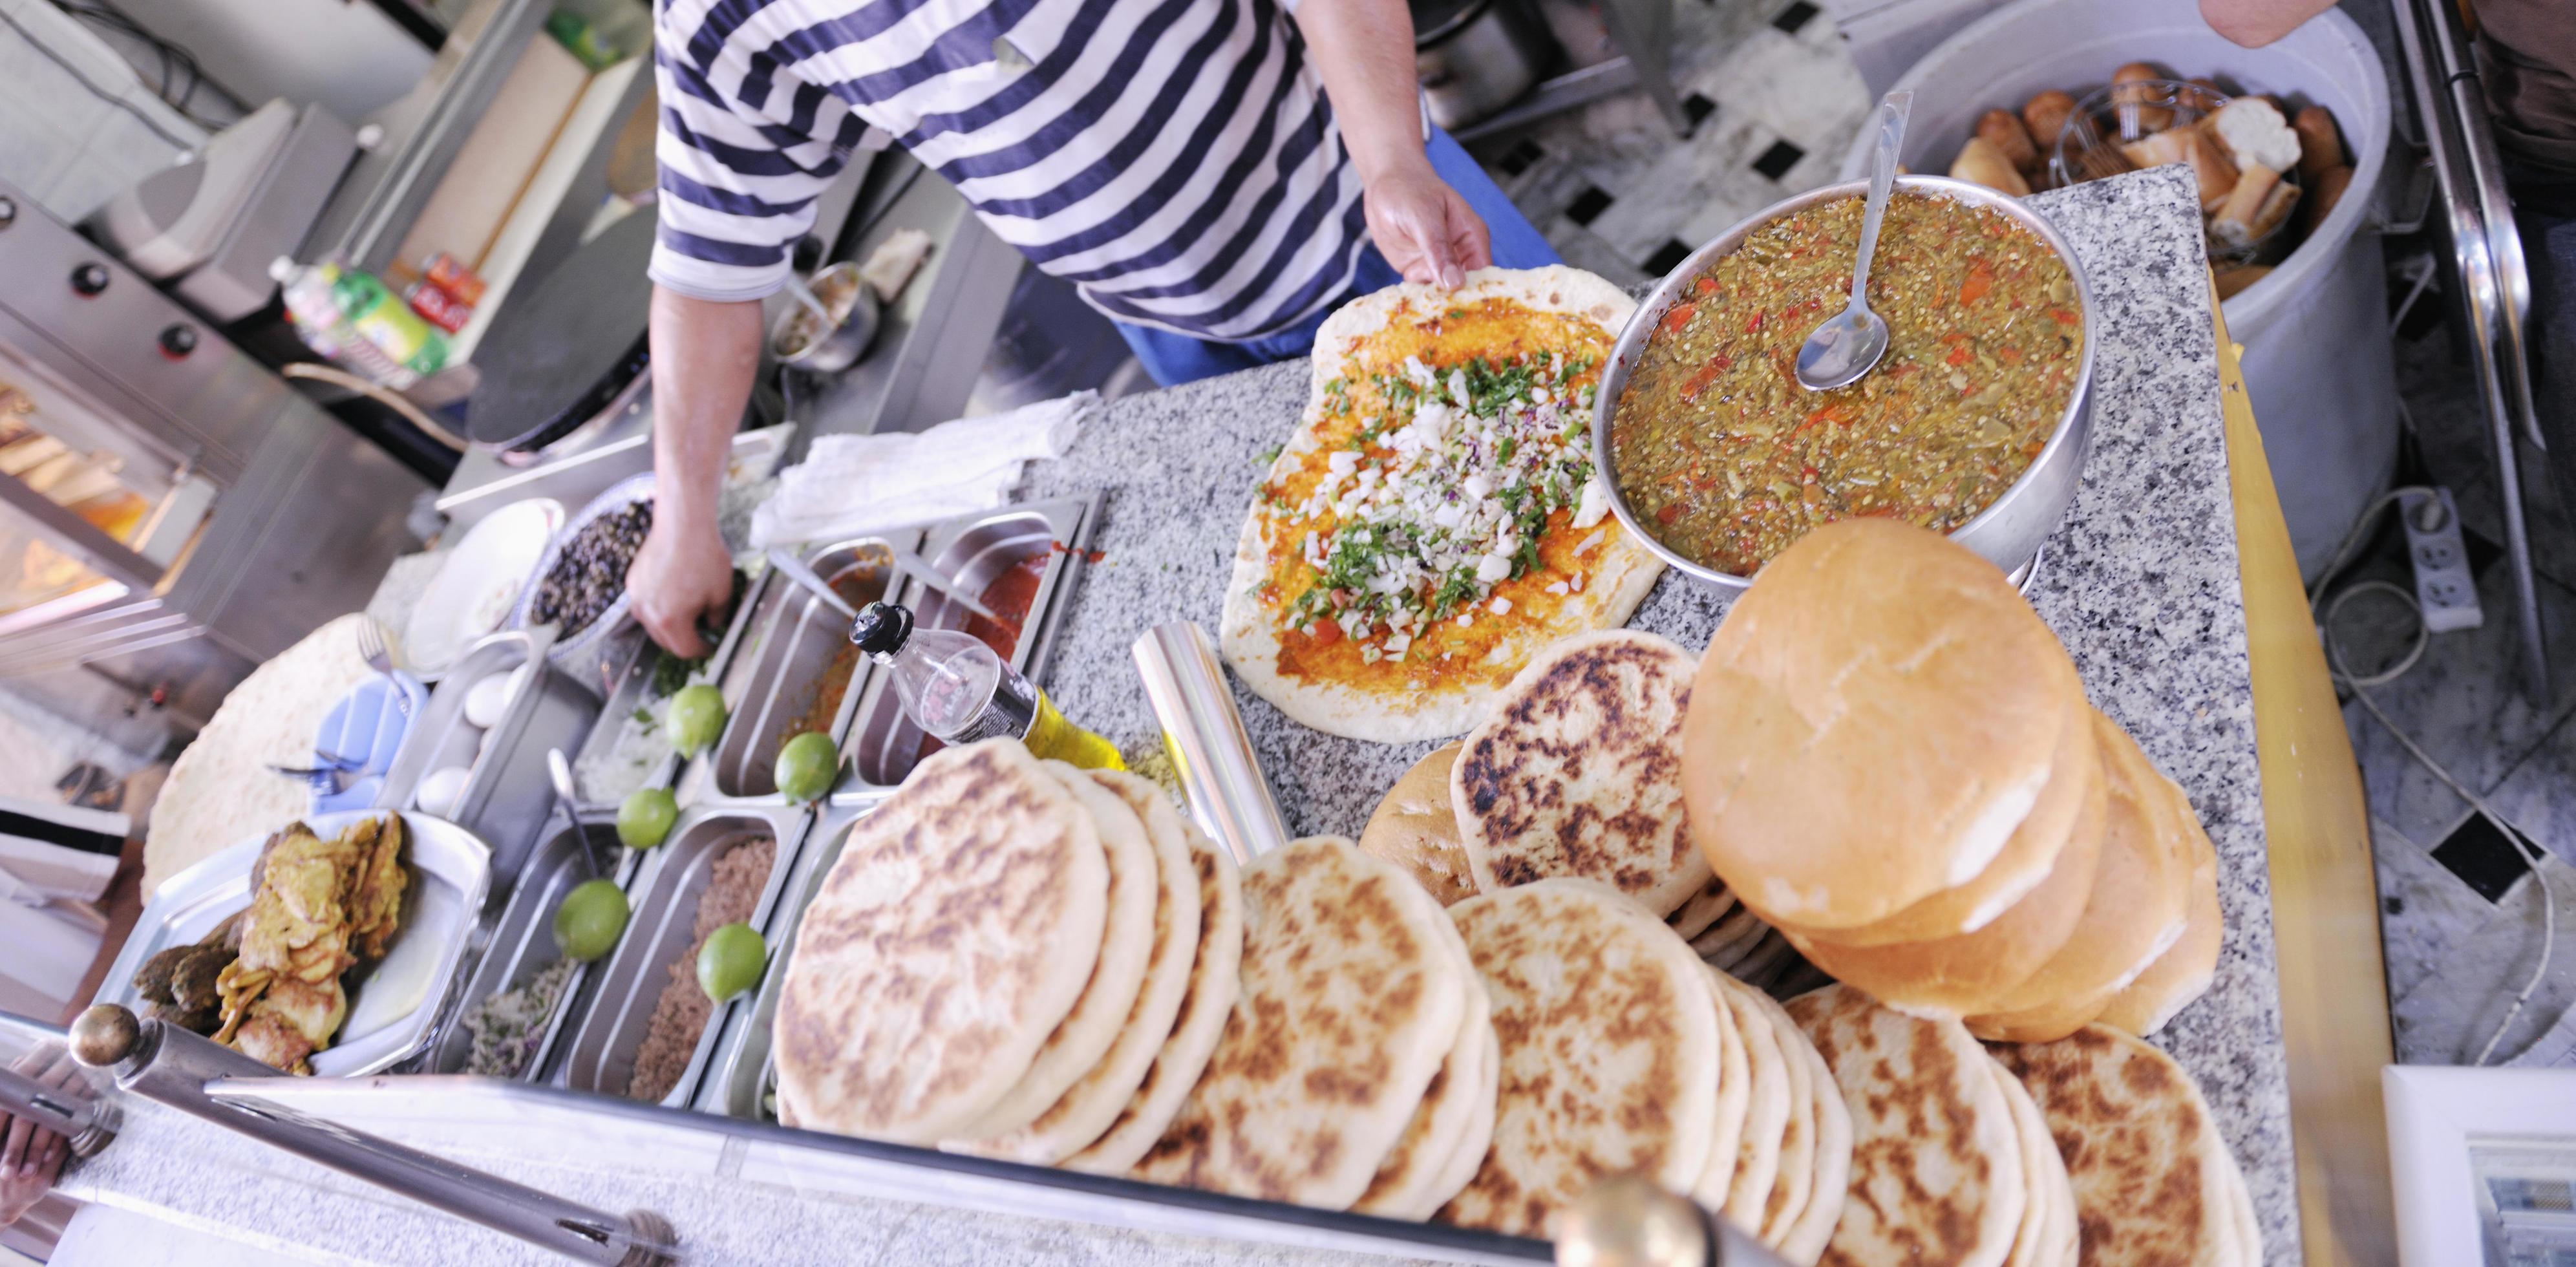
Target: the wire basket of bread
pixel 2267 176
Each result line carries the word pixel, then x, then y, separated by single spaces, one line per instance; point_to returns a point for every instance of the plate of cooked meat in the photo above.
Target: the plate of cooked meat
pixel 325 948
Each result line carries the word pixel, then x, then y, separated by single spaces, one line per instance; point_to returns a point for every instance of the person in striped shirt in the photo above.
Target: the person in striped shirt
pixel 1216 176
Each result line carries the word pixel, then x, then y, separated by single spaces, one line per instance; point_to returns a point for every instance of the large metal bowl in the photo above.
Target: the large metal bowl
pixel 2010 531
pixel 571 643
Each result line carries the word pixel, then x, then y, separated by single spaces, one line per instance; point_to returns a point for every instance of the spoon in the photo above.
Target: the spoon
pixel 794 569
pixel 1850 342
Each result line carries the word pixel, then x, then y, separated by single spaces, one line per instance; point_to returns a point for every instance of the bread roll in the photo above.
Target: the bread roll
pixel 2320 144
pixel 2322 195
pixel 1835 771
pixel 1416 829
pixel 2003 130
pixel 2139 115
pixel 2045 115
pixel 1980 163
pixel 2236 277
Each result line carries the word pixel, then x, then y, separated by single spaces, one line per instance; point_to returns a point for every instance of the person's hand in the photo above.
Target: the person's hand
pixel 31 1157
pixel 679 574
pixel 1424 229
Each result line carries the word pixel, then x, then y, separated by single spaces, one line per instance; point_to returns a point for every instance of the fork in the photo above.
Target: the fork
pixel 372 649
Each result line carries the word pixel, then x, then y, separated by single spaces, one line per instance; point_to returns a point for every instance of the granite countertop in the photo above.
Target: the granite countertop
pixel 2140 582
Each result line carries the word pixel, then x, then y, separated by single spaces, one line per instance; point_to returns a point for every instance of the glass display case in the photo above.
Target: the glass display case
pixel 119 513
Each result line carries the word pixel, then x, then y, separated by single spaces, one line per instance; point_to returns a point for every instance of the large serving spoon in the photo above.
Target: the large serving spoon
pixel 1851 341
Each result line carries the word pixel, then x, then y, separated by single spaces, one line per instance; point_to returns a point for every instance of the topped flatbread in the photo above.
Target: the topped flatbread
pixel 1435 519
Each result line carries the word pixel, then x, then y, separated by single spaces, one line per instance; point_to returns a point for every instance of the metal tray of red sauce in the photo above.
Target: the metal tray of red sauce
pixel 1019 561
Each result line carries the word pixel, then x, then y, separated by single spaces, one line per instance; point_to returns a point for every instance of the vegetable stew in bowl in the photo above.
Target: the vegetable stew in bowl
pixel 1723 457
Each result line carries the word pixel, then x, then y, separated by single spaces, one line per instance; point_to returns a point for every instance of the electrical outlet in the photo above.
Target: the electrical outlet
pixel 2443 586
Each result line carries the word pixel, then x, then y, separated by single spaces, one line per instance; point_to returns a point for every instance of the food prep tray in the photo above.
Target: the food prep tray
pixel 795 641
pixel 393 1003
pixel 975 551
pixel 507 788
pixel 744 1071
pixel 522 942
pixel 570 643
pixel 601 1056
pixel 628 668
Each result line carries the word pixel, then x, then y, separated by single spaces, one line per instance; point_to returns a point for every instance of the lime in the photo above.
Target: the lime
pixel 645 816
pixel 730 962
pixel 697 717
pixel 808 765
pixel 589 919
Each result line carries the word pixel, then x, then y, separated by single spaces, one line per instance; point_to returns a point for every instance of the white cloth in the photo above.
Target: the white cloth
pixel 855 484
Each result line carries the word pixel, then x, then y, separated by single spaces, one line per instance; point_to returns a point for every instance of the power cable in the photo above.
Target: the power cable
pixel 102 94
pixel 2357 684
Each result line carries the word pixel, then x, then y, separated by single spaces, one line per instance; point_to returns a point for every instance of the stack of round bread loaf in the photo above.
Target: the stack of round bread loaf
pixel 1019 959
pixel 1576 771
pixel 2095 1148
pixel 1890 759
pixel 1012 958
pixel 1556 830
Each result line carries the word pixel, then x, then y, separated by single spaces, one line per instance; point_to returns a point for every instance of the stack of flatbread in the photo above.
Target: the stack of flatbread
pixel 1012 958
pixel 1576 772
pixel 1952 1162
pixel 1891 761
pixel 1622 1052
pixel 1359 1067
pixel 2151 1178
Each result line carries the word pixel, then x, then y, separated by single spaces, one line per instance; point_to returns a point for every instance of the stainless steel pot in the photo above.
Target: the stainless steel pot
pixel 795 341
pixel 2010 531
pixel 1476 56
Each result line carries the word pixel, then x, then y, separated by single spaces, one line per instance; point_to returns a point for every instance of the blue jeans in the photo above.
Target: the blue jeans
pixel 1178 358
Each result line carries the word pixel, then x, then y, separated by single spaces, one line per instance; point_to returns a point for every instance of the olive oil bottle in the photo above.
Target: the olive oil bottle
pixel 957 690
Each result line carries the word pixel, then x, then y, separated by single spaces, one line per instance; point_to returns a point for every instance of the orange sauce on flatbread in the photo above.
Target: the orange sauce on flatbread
pixel 1442 654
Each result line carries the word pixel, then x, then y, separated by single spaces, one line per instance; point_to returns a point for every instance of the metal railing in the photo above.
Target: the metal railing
pixel 2495 287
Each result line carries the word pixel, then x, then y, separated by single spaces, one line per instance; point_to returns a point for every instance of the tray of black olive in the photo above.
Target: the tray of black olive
pixel 579 585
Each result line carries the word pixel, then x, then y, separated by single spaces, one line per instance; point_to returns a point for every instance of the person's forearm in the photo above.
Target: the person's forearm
pixel 704 357
pixel 1364 51
pixel 2255 23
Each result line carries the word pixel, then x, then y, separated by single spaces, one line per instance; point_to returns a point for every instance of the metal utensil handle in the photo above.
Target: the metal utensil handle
pixel 914 566
pixel 1882 181
pixel 1204 735
pixel 87 1125
pixel 794 569
pixel 175 1067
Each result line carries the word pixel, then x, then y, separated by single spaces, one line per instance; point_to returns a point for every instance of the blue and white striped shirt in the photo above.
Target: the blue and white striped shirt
pixel 1175 159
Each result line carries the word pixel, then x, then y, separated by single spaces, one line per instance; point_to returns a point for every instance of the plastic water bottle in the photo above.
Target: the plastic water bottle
pixel 956 689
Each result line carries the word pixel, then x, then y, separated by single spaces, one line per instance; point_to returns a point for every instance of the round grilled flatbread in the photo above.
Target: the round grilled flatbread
pixel 1577 772
pixel 1819 785
pixel 1350 1002
pixel 1805 1240
pixel 949 940
pixel 1727 941
pixel 1415 829
pixel 1389 578
pixel 1936 1163
pixel 1951 977
pixel 1091 1104
pixel 1794 1185
pixel 2136 910
pixel 1204 1008
pixel 2149 1170
pixel 1610 1051
pixel 1766 1121
pixel 1735 1091
pixel 1117 976
pixel 2049 1218
pixel 1457 1110
pixel 1702 911
pixel 1766 960
pixel 2183 972
pixel 1471 1152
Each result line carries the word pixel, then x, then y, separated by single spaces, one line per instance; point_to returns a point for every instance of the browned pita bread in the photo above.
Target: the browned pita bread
pixel 1935 1163
pixel 2149 1170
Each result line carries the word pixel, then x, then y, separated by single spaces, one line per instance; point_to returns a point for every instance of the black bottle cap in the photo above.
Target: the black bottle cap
pixel 881 630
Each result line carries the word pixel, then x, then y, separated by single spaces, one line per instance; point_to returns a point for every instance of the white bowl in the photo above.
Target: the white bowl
pixel 478 586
